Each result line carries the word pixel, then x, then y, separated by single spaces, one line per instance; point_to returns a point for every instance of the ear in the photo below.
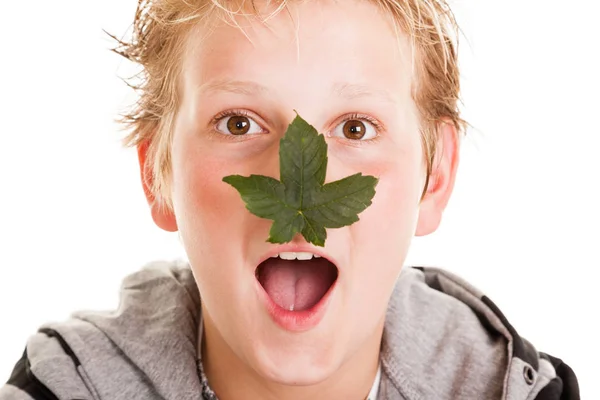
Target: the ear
pixel 441 181
pixel 162 216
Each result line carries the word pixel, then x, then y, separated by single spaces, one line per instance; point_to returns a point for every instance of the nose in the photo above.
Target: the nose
pixel 267 163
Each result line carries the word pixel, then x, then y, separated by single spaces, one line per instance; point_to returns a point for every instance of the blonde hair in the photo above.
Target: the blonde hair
pixel 159 31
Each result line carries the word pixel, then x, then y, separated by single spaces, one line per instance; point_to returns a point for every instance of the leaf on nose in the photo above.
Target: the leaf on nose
pixel 301 202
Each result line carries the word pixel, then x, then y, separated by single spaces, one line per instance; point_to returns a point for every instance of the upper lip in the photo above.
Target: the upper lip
pixel 297 248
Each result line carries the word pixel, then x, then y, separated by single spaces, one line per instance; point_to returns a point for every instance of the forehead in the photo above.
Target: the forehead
pixel 346 47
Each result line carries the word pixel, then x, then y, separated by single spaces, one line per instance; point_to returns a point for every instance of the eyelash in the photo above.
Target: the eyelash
pixel 232 113
pixel 350 117
pixel 362 117
pixel 379 128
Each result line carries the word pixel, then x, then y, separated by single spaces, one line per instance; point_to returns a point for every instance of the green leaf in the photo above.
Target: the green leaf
pixel 301 202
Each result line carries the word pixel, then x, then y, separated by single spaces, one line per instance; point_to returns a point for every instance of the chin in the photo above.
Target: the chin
pixel 299 367
pixel 298 311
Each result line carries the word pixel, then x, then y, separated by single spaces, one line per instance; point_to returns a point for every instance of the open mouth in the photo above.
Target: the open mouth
pixel 296 281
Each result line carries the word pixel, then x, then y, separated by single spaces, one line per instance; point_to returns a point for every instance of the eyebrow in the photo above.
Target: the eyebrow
pixel 348 91
pixel 352 91
pixel 248 88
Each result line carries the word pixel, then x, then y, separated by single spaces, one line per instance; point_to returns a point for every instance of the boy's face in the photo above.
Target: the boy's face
pixel 339 65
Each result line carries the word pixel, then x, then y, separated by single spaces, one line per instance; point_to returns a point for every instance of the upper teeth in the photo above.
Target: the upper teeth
pixel 295 255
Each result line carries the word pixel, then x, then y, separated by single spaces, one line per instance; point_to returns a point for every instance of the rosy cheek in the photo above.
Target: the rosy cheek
pixel 208 195
pixel 395 198
pixel 387 226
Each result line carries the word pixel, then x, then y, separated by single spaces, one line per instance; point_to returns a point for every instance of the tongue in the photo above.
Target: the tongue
pixel 296 285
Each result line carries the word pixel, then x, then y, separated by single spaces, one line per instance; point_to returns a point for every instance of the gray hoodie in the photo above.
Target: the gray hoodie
pixel 443 339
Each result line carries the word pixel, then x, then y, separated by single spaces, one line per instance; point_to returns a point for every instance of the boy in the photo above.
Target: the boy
pixel 252 319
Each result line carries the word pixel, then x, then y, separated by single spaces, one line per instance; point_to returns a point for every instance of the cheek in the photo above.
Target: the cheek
pixel 393 215
pixel 205 207
pixel 383 235
pixel 391 220
pixel 200 196
pixel 212 218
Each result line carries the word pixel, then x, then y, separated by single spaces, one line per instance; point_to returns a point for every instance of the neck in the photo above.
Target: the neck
pixel 352 381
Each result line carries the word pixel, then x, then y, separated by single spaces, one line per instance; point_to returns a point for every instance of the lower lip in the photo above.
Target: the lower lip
pixel 296 321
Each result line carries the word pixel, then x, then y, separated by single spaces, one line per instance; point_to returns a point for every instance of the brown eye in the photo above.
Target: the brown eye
pixel 238 125
pixel 354 129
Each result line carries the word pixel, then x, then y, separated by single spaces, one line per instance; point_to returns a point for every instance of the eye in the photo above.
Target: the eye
pixel 238 124
pixel 356 128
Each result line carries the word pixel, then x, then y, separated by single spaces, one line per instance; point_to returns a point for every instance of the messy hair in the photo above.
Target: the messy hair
pixel 159 33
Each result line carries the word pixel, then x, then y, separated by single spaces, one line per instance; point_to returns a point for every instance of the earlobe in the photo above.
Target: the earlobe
pixel 162 216
pixel 441 181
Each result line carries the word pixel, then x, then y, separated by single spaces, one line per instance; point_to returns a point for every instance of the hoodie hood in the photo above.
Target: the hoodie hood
pixel 442 340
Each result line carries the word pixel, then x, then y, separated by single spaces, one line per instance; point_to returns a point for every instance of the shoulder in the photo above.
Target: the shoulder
pixel 70 359
pixel 167 274
pixel 45 356
pixel 458 337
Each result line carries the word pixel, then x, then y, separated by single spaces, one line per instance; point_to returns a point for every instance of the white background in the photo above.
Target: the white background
pixel 523 224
